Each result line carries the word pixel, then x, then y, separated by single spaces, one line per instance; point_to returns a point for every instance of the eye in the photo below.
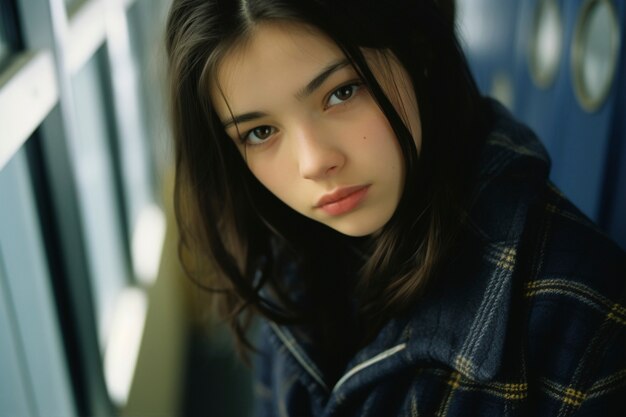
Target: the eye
pixel 258 135
pixel 343 93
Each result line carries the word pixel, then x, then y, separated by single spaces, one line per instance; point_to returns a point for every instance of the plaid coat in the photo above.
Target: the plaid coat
pixel 528 320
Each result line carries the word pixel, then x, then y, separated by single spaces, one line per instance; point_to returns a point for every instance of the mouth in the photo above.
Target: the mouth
pixel 342 200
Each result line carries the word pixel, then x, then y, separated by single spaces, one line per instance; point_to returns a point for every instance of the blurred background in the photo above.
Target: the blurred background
pixel 96 317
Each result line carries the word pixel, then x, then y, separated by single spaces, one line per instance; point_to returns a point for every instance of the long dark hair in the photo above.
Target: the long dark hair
pixel 240 241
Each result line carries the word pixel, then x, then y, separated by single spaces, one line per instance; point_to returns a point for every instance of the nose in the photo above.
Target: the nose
pixel 318 154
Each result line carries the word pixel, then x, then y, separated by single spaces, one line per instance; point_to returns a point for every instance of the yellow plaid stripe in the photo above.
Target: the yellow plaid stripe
pixel 455 380
pixel 567 395
pixel 618 314
pixel 464 365
pixel 562 286
pixel 516 391
pixel 507 258
pixel 615 311
pixel 573 397
pixel 508 391
pixel 547 284
pixel 503 257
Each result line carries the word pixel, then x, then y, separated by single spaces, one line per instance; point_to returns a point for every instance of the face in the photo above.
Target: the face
pixel 309 129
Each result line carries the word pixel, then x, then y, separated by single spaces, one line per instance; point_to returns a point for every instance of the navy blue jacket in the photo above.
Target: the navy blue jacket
pixel 528 320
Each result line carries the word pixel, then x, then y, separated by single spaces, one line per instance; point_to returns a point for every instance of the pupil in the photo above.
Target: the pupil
pixel 262 132
pixel 344 93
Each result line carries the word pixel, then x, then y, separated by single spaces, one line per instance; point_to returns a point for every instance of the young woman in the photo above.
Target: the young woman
pixel 340 178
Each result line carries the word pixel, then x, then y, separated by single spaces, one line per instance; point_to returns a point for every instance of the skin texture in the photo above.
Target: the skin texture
pixel 303 144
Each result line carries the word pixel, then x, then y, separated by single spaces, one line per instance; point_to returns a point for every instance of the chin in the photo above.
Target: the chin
pixel 357 227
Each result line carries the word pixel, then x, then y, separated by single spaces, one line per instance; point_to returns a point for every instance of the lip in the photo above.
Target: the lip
pixel 342 200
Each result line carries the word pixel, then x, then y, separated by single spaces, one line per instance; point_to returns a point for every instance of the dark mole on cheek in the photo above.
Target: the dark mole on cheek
pixel 364 137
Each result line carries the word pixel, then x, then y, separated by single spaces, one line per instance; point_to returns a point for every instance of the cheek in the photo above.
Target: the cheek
pixel 279 181
pixel 379 144
pixel 266 176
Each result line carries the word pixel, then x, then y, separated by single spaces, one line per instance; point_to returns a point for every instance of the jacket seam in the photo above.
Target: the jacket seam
pixel 381 356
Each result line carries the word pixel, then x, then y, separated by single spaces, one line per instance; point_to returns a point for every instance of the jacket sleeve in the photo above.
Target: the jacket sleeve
pixel 578 317
pixel 606 392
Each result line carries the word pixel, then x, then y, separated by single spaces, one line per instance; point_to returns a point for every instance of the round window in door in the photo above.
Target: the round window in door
pixel 546 43
pixel 595 51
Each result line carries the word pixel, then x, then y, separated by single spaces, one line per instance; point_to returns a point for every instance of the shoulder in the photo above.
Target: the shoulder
pixel 573 261
pixel 575 291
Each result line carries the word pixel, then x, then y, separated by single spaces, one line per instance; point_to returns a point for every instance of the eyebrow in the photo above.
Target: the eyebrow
pixel 309 89
pixel 319 79
pixel 242 118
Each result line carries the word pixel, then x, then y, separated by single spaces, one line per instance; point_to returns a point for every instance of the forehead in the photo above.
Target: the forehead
pixel 274 56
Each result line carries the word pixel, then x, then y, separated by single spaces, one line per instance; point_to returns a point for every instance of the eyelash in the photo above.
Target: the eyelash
pixel 355 87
